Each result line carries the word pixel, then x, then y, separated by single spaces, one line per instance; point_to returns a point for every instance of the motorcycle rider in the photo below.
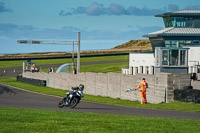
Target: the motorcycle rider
pixel 80 89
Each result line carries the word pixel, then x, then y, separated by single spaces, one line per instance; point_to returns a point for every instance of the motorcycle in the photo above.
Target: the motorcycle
pixel 72 98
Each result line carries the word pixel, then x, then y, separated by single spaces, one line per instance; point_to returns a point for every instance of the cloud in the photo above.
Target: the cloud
pixel 96 9
pixel 12 31
pixel 172 7
pixel 116 9
pixel 3 8
pixel 191 7
pixel 132 33
pixel 144 11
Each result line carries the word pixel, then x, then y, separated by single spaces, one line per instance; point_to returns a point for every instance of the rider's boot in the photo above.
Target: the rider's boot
pixel 66 103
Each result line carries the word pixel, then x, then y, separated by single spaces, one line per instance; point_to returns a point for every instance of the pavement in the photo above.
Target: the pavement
pixel 14 97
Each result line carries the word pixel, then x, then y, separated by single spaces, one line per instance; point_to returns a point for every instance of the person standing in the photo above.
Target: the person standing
pixel 51 69
pixel 74 71
pixel 143 86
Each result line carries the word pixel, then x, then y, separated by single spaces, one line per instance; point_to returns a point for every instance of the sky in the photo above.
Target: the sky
pixel 97 20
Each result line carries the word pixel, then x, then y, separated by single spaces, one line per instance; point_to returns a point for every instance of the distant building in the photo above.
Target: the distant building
pixel 176 49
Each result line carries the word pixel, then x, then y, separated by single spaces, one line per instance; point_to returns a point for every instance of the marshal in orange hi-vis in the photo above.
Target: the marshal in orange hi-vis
pixel 143 86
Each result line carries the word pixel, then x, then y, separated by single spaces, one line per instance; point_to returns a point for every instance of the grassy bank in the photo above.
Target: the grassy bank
pixel 98 68
pixel 127 47
pixel 104 68
pixel 179 106
pixel 41 121
pixel 6 64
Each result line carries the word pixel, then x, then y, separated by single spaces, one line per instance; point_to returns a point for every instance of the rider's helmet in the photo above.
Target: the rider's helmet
pixel 81 87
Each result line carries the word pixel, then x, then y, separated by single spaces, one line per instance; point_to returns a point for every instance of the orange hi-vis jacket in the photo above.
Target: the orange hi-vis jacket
pixel 143 86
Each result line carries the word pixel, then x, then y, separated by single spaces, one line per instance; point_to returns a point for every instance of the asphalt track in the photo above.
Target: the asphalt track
pixel 13 97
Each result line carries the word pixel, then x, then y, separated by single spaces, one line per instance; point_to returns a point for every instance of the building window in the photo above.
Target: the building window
pixel 174 44
pixel 188 42
pixel 183 58
pixel 173 58
pixel 165 57
pixel 167 43
pixel 157 53
pixel 181 43
pixel 178 21
pixel 196 42
pixel 167 21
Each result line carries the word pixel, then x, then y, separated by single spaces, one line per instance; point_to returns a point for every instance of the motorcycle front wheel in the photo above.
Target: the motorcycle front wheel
pixel 74 102
pixel 61 104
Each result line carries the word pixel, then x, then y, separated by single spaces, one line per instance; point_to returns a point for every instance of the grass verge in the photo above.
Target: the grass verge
pixel 99 68
pixel 179 106
pixel 6 64
pixel 104 68
pixel 42 121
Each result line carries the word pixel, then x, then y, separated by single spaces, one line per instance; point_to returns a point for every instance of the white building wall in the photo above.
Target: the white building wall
pixel 193 56
pixel 141 59
pixel 139 62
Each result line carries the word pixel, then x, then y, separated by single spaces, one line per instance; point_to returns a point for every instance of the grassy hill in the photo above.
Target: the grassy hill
pixel 130 46
pixel 135 44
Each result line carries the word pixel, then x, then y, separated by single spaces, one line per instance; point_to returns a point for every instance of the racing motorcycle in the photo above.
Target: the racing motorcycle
pixel 72 98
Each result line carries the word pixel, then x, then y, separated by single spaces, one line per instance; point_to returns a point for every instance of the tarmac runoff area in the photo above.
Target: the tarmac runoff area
pixel 17 98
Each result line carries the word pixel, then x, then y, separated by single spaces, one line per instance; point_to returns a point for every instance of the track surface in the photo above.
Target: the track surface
pixel 13 97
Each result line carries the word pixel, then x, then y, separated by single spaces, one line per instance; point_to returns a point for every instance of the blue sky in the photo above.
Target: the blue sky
pixel 95 19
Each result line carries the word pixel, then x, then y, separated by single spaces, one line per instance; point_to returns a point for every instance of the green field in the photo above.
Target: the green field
pixel 41 121
pixel 98 68
pixel 104 68
pixel 6 64
pixel 13 120
pixel 179 106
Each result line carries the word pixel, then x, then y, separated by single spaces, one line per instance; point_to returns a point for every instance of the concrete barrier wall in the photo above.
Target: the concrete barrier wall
pixel 161 86
pixel 177 82
pixel 41 76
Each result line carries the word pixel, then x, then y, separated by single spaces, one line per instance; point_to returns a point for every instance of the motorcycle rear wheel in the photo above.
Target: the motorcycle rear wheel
pixel 74 102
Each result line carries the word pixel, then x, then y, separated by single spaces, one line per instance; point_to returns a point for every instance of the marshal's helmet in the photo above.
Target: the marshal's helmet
pixel 81 87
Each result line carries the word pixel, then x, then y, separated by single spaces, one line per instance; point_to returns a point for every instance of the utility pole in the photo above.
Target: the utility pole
pixel 73 57
pixel 78 55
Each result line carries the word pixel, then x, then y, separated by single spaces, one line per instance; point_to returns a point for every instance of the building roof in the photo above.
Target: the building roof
pixel 181 13
pixel 174 31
